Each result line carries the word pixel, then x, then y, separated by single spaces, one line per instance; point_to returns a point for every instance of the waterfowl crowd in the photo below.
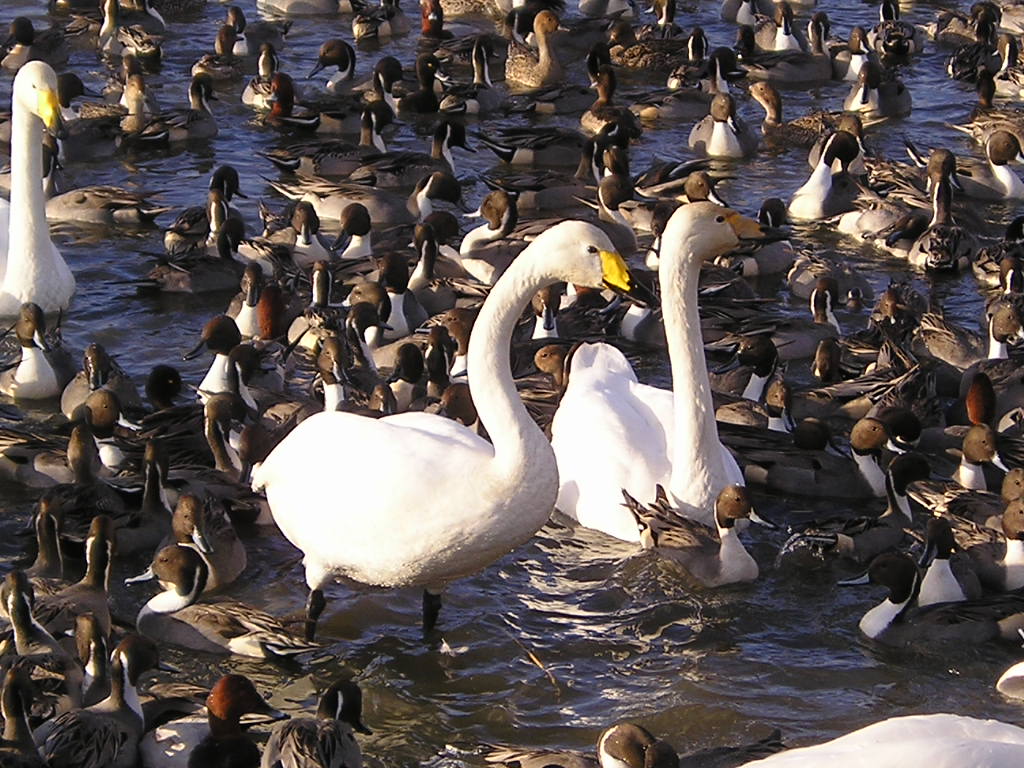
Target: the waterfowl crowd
pixel 399 308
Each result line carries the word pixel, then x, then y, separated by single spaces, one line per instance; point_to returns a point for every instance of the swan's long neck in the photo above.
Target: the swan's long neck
pixel 697 467
pixel 29 235
pixel 518 443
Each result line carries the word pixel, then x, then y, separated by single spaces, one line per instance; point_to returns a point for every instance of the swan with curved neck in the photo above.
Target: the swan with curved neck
pixel 425 500
pixel 33 269
pixel 612 433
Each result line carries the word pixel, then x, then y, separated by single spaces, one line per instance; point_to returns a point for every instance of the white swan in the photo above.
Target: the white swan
pixel 611 433
pixel 33 269
pixel 916 741
pixel 450 503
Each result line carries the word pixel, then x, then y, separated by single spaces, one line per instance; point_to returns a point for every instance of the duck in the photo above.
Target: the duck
pixel 104 205
pixel 802 132
pixel 173 126
pixel 329 199
pixel 204 527
pixel 338 717
pixel 893 37
pixel 911 741
pixel 878 95
pixel 744 12
pixel 604 405
pixel 196 742
pixel 424 99
pixel 340 55
pixel 258 91
pixel 111 729
pixel 221 626
pixel 24 44
pixel 251 36
pixel 827 193
pixel 525 68
pixel 479 97
pixel 998 265
pixel 603 114
pixel 986 117
pixel 221 66
pixel 947 577
pixel 119 39
pixel 776 32
pixel 400 169
pixel 994 180
pixel 198 271
pixel 623 745
pixel 944 245
pixel 722 134
pixel 17 748
pixel 571 251
pixel 712 557
pixel 813 65
pixel 406 312
pixel 33 269
pixel 850 60
pixel 898 622
pixel 336 158
pixel 627 50
pixel 192 227
pixel 381 23
pixel 43 371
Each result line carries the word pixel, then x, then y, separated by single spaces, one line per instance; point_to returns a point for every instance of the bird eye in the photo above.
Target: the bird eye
pixel 591 249
pixel 719 219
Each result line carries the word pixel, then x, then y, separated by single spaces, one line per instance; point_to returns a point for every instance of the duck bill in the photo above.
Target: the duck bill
pixel 549 319
pixel 756 518
pixel 195 351
pixel 617 277
pixel 855 581
pixel 201 542
pixel 317 68
pixel 997 460
pixel 146 575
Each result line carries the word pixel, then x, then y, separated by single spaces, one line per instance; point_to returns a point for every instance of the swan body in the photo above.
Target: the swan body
pixel 612 433
pixel 33 269
pixel 916 741
pixel 492 497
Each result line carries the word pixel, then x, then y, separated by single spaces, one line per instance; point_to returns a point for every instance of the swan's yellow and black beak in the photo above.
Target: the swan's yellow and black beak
pixel 748 230
pixel 49 109
pixel 618 278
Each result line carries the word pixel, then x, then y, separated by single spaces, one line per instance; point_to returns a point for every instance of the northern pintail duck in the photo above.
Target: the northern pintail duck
pixel 43 370
pixel 193 225
pixel 525 68
pixel 338 717
pixel 994 180
pixel 204 527
pixel 624 745
pixel 777 31
pixel 722 133
pixel 850 60
pixel 954 27
pixel 897 621
pixel 986 118
pixel 892 37
pixel 173 126
pixel 251 36
pixel 340 55
pixel 712 557
pixel 944 245
pixel 570 251
pixel 104 205
pixel 827 192
pixel 258 90
pixel 999 265
pixel 380 23
pixel 789 66
pixel 335 158
pixel 603 114
pixel 223 65
pixel 25 44
pixel 745 11
pixel 111 729
pixel 478 97
pixel 221 626
pixel 949 576
pixel 118 39
pixel 625 49
pixel 877 94
pixel 385 207
pixel 400 169
pixel 804 131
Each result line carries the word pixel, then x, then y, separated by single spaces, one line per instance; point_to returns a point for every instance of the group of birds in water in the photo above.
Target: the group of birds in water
pixel 493 370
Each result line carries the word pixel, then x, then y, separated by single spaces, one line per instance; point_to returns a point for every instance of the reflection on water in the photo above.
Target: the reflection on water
pixel 573 630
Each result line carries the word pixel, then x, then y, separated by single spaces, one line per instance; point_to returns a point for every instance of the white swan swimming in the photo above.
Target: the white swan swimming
pixel 915 741
pixel 423 500
pixel 33 269
pixel 611 433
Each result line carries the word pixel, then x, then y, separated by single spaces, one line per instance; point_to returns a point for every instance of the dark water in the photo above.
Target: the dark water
pixel 574 630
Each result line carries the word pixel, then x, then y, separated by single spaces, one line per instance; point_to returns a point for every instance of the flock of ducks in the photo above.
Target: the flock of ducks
pixel 491 367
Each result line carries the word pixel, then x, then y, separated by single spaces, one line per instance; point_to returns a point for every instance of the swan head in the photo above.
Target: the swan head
pixel 584 255
pixel 35 90
pixel 710 231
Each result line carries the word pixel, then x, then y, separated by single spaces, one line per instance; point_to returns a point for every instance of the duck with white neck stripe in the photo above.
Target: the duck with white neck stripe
pixel 43 371
pixel 949 576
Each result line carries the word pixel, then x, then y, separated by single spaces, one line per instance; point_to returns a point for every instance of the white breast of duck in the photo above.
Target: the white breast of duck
pixel 899 573
pixel 35 377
